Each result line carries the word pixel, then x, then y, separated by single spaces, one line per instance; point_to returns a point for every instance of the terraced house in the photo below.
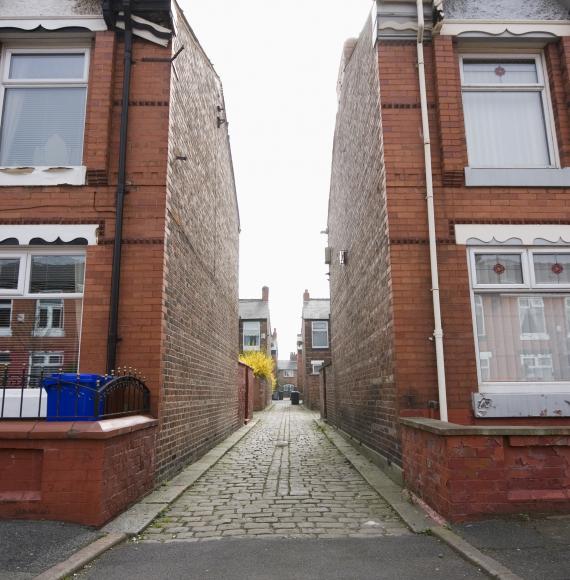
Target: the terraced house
pixel 118 243
pixel 449 232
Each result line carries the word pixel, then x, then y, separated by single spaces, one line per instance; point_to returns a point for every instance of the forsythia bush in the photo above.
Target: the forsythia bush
pixel 261 364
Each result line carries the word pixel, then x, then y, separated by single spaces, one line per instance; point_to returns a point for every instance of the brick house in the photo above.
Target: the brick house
pixel 287 374
pixel 118 230
pixel 450 242
pixel 315 346
pixel 255 324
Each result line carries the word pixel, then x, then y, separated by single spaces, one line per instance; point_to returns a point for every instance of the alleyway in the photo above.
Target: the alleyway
pixel 284 478
pixel 285 481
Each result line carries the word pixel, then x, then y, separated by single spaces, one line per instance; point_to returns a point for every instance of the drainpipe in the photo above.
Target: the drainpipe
pixel 112 337
pixel 438 331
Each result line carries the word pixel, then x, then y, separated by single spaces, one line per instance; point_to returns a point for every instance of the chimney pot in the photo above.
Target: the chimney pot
pixel 306 296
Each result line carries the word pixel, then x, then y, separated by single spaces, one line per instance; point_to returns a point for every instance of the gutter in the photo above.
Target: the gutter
pixel 438 330
pixel 112 337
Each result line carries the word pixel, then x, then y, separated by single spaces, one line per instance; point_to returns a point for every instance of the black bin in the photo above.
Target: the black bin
pixel 294 397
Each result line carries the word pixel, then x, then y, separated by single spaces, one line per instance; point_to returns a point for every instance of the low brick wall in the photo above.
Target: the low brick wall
pixel 468 472
pixel 84 472
pixel 262 392
pixel 245 393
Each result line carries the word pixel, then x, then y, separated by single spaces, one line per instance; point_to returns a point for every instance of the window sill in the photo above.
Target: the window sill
pixel 38 176
pixel 517 177
pixel 542 402
pixel 49 334
pixel 5 332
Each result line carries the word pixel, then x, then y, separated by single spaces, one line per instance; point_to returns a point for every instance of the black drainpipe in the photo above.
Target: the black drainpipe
pixel 112 337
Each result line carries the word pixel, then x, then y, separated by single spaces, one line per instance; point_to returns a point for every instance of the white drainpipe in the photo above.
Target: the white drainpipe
pixel 438 331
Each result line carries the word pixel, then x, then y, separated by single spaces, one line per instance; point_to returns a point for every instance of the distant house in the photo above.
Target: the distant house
pixel 287 374
pixel 255 324
pixel 315 346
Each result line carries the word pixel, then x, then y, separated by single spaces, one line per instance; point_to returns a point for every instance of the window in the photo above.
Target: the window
pixel 288 373
pixel 4 359
pixel 506 106
pixel 43 98
pixel 320 334
pixel 251 335
pixel 316 366
pixel 49 318
pixel 43 364
pixel 5 318
pixel 521 313
pixel 38 272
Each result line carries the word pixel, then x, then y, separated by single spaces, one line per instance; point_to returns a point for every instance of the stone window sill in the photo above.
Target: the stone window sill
pixel 475 177
pixel 42 176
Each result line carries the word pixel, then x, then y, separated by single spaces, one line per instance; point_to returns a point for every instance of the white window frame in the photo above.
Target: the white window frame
pixel 21 273
pixel 508 250
pixel 551 250
pixel 46 354
pixel 542 87
pixel 75 175
pixel 249 347
pixel 26 271
pixel 319 330
pixel 315 363
pixel 7 331
pixel 518 290
pixel 49 330
pixel 478 306
pixel 288 373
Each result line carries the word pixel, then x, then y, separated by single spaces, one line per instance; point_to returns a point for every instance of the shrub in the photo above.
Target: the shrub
pixel 261 364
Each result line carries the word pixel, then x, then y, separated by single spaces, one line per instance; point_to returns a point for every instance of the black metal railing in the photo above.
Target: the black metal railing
pixel 70 397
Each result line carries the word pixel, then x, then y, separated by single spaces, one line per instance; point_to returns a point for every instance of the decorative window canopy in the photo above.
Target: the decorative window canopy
pixel 512 234
pixel 55 234
pixel 93 23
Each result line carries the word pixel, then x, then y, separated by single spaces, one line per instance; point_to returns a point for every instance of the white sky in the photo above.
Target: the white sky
pixel 279 62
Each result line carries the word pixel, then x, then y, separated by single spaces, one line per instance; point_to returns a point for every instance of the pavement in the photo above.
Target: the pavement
pixel 535 548
pixel 27 548
pixel 287 497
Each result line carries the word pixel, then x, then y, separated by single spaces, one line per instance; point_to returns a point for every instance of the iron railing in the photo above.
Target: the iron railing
pixel 68 397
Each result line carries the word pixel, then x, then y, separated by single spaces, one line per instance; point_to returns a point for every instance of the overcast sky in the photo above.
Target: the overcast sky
pixel 279 62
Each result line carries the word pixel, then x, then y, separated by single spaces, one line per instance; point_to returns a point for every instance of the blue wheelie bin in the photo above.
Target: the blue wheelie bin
pixel 71 397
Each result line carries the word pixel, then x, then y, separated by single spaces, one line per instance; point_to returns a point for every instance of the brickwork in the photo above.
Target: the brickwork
pixel 178 305
pixel 472 476
pixel 199 405
pixel 381 303
pixel 262 392
pixel 361 298
pixel 84 473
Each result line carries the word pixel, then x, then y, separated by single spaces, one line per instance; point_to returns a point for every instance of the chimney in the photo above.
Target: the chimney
pixel 306 296
pixel 265 294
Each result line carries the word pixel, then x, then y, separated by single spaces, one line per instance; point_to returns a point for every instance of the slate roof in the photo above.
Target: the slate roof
pixel 253 309
pixel 317 309
pixel 286 365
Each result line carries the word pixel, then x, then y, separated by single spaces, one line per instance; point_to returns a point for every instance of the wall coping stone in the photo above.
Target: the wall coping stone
pixel 104 429
pixel 444 429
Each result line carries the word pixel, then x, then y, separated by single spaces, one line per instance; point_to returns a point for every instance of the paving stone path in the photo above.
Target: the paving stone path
pixel 284 478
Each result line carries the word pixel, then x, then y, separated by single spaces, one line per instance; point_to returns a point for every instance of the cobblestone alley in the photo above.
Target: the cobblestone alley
pixel 284 478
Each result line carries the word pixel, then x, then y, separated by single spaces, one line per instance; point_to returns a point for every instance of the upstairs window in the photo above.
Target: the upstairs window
pixel 5 318
pixel 43 95
pixel 507 110
pixel 320 334
pixel 251 335
pixel 316 366
pixel 49 318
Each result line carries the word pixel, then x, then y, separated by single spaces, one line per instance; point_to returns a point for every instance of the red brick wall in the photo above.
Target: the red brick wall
pixel 75 472
pixel 199 403
pixel 366 402
pixel 383 303
pixel 471 476
pixel 262 392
